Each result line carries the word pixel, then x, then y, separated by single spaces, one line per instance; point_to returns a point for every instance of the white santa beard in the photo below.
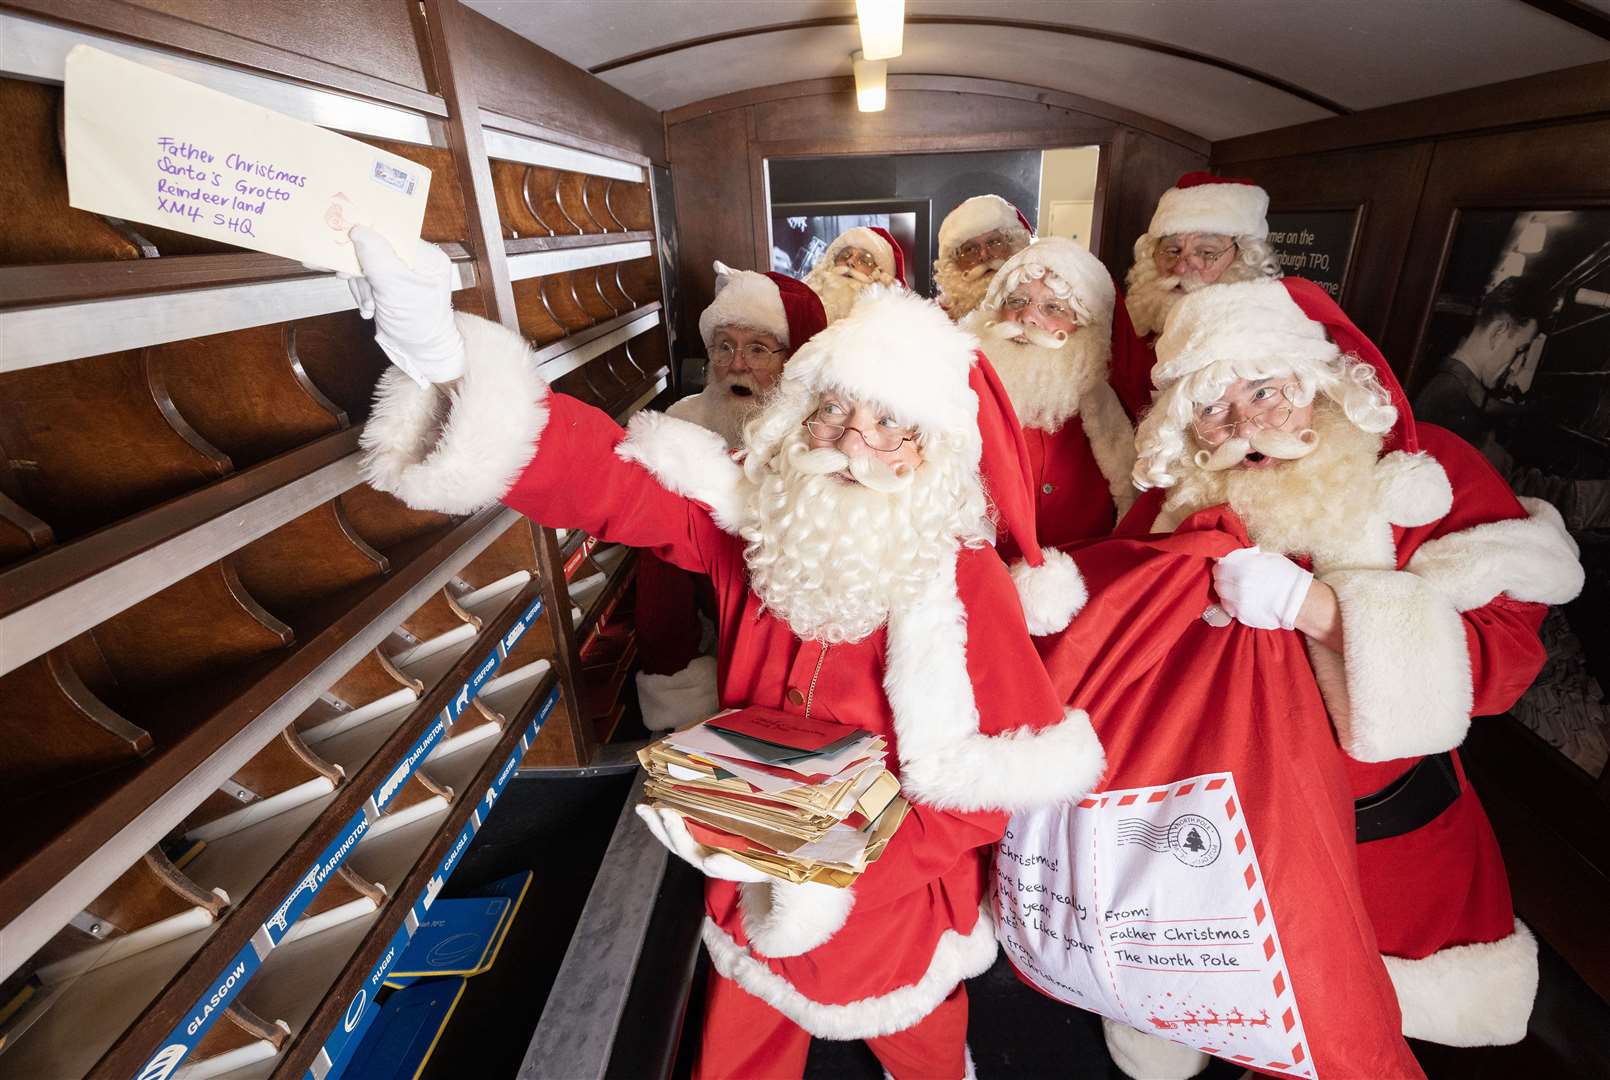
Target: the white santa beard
pixel 962 295
pixel 838 292
pixel 729 411
pixel 832 558
pixel 1046 385
pixel 1315 505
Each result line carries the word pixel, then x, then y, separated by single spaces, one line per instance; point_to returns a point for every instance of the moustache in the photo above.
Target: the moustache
pixel 868 472
pixel 983 269
pixel 1285 445
pixel 1012 331
pixel 853 274
pixel 1184 283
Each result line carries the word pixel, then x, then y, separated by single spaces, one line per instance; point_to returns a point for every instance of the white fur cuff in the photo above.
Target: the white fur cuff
pixel 1051 594
pixel 458 447
pixel 784 919
pixel 687 460
pixel 681 698
pixel 1404 688
pixel 1020 770
pixel 1531 559
pixel 1469 995
pixel 956 957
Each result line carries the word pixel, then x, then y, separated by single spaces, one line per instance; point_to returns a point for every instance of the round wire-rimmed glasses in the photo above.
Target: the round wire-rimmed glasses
pixel 881 441
pixel 1200 256
pixel 1271 406
pixel 998 247
pixel 856 257
pixel 1051 309
pixel 755 354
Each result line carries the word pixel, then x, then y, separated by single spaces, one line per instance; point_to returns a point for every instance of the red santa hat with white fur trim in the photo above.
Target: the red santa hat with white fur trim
pixel 904 353
pixel 771 303
pixel 877 241
pixel 1259 329
pixel 979 215
pixel 1200 202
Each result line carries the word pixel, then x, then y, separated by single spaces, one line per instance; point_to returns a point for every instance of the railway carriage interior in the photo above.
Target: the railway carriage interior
pixel 261 717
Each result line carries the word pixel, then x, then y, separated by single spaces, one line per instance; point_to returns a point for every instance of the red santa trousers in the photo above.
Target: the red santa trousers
pixel 746 1039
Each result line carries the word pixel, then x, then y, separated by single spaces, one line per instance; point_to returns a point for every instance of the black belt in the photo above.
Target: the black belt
pixel 1412 800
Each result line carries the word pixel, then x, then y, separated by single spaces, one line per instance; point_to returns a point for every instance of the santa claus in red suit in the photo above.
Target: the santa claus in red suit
pixel 856 260
pixel 1046 326
pixel 1207 230
pixel 751 328
pixel 975 240
pixel 851 558
pixel 1417 581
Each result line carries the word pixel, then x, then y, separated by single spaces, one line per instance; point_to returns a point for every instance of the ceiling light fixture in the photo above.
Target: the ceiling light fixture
pixel 882 27
pixel 871 83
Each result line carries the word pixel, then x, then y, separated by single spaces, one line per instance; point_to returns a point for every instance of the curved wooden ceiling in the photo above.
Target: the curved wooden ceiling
pixel 1216 68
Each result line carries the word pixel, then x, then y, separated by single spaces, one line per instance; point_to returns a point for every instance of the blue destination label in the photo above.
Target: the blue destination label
pixel 165 1062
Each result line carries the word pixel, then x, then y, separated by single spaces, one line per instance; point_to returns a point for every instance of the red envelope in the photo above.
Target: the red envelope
pixel 784 729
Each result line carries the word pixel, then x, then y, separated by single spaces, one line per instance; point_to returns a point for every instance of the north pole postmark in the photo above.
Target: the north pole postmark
pixel 1193 840
pixel 1190 838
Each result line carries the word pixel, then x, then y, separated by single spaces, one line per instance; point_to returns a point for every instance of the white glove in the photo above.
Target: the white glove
pixel 412 307
pixel 1260 589
pixel 669 829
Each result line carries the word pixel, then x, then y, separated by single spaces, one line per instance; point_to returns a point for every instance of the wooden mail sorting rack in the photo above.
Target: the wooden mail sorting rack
pixel 253 709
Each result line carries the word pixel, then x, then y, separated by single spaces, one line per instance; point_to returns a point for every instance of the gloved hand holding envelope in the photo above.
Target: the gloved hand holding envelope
pixel 149 147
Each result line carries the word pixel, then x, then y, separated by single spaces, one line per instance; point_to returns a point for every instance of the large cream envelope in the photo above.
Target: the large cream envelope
pixel 146 146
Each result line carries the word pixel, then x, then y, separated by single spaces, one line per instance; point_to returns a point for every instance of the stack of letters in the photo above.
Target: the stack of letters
pixel 801 799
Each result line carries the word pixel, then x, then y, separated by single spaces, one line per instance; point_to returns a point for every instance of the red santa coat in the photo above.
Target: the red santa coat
pixel 1440 609
pixel 1133 357
pixel 1082 481
pixel 952 682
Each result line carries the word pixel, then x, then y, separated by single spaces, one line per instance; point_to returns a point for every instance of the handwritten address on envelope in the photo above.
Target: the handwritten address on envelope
pixel 149 147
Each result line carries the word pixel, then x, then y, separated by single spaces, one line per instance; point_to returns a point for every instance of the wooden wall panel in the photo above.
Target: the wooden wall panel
pixel 939 119
pixel 714 211
pixel 312 42
pixel 519 79
pixel 1386 182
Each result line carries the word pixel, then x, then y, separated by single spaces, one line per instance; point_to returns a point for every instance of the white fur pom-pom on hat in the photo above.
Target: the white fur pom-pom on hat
pixel 1051 593
pixel 1200 202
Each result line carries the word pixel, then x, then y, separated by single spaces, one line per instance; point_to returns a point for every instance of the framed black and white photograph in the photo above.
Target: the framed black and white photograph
pixel 1515 358
pixel 802 231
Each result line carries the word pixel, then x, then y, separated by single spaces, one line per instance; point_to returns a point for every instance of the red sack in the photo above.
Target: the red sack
pixel 1209 894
